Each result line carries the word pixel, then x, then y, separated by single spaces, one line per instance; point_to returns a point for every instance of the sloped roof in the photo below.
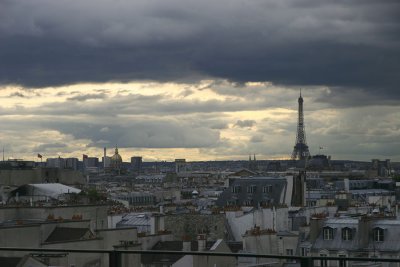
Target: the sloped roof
pixel 160 258
pixel 337 243
pixel 391 235
pixel 52 190
pixel 9 261
pixel 141 221
pixel 62 234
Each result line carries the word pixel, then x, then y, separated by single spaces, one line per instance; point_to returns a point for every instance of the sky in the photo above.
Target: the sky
pixel 201 80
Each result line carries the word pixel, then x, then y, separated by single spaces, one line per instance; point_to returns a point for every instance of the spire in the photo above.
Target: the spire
pixel 116 149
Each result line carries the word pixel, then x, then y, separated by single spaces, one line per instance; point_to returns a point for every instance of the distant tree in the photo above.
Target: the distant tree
pixel 93 195
pixel 396 177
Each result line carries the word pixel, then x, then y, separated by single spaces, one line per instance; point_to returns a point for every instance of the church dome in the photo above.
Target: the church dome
pixel 116 159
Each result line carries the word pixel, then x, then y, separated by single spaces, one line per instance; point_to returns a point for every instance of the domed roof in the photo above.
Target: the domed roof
pixel 116 157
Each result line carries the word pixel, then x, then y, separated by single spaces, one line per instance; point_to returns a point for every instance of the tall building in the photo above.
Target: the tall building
pixel 136 164
pixel 55 163
pixel 180 165
pixel 71 163
pixel 253 165
pixel 106 162
pixel 382 167
pixel 91 162
pixel 300 150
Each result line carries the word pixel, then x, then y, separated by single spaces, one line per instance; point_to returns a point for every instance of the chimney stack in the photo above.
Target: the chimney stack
pixel 201 242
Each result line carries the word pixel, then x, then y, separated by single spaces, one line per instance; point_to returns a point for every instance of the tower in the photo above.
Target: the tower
pixel 300 150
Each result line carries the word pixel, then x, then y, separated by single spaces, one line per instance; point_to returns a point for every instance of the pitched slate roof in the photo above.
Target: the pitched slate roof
pixel 389 244
pixel 53 190
pixel 337 243
pixel 276 195
pixel 139 220
pixel 9 261
pixel 160 258
pixel 62 234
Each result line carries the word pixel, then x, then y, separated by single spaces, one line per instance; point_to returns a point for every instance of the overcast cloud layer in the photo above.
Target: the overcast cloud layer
pixel 204 57
pixel 298 42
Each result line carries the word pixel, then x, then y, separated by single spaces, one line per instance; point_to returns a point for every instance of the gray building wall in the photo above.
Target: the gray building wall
pixel 96 213
pixel 267 192
pixel 41 175
pixel 192 224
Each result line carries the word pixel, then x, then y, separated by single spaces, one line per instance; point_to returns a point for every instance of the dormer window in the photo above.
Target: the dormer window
pixel 267 189
pixel 379 235
pixel 251 189
pixel 327 233
pixel 347 234
pixel 236 189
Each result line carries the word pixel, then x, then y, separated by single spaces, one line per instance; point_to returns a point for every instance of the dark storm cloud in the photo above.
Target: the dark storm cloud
pixel 50 146
pixel 342 97
pixel 147 134
pixel 17 94
pixel 135 104
pixel 219 125
pixel 245 123
pixel 257 139
pixel 84 97
pixel 343 44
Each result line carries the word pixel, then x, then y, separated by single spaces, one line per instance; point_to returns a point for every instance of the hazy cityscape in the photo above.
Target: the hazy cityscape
pixel 305 205
pixel 186 133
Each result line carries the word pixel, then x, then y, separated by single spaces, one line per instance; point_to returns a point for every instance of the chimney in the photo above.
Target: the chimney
pixel 363 231
pixel 156 223
pixel 201 242
pixel 299 189
pixel 346 185
pixel 315 228
pixel 186 243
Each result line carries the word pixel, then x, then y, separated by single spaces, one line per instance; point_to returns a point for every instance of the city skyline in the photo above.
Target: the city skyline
pixel 201 81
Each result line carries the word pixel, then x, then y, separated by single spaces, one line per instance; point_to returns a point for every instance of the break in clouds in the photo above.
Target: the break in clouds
pixel 220 127
pixel 344 54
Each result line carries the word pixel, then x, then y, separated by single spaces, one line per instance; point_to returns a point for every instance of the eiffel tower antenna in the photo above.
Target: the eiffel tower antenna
pixel 300 150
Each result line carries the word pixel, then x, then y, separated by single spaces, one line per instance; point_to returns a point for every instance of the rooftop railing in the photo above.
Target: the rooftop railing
pixel 115 256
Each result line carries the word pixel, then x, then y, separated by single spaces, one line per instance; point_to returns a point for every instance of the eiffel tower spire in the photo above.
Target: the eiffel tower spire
pixel 300 150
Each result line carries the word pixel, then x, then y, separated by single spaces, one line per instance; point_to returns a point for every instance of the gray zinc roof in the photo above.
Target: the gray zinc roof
pixel 139 220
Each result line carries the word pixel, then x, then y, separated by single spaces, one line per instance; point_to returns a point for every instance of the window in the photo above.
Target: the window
pixel 236 189
pixel 378 234
pixel 251 189
pixel 231 203
pixel 328 233
pixel 342 263
pixel 267 189
pixel 323 263
pixel 304 252
pixel 289 252
pixel 248 202
pixel 347 234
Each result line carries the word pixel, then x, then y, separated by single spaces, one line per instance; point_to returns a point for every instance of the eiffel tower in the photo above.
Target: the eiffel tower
pixel 300 150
